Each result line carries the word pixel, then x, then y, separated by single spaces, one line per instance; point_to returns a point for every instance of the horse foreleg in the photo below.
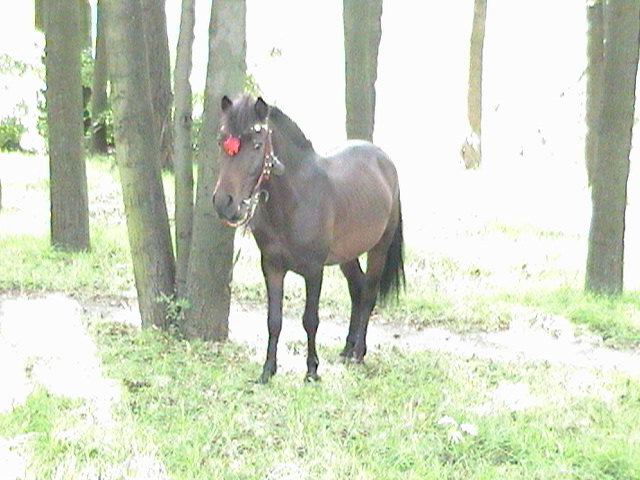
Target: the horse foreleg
pixel 310 322
pixel 274 278
pixel 355 280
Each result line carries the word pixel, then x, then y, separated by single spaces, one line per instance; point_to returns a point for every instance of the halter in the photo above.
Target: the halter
pixel 270 164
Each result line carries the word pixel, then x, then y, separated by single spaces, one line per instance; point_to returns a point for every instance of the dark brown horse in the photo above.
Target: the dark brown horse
pixel 308 211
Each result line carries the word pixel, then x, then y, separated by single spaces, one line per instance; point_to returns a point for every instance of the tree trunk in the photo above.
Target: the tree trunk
pixel 137 154
pixel 39 15
pixel 183 155
pixel 472 147
pixel 85 24
pixel 211 256
pixel 68 177
pixel 157 48
pixel 595 80
pixel 605 260
pixel 99 97
pixel 362 33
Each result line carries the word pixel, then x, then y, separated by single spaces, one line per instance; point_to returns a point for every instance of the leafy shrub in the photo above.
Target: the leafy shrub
pixel 11 129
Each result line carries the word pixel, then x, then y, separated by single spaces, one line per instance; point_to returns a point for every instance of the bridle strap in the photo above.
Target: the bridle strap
pixel 269 159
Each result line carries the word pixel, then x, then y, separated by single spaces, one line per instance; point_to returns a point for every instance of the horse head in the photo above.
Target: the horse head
pixel 247 159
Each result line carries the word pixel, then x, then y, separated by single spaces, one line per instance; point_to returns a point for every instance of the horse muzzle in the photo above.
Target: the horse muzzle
pixel 232 213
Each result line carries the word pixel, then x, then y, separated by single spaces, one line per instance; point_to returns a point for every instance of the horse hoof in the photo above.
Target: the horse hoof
pixel 311 378
pixel 347 352
pixel 264 378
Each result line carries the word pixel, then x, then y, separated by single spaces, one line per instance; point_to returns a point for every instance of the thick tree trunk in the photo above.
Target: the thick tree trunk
pixel 137 154
pixel 85 24
pixel 362 33
pixel 68 178
pixel 210 259
pixel 157 48
pixel 472 147
pixel 99 89
pixel 183 152
pixel 605 259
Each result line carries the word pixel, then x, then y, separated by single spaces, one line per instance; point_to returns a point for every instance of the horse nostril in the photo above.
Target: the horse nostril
pixel 223 203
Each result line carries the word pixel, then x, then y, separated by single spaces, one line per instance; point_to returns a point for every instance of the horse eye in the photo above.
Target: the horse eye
pixel 257 146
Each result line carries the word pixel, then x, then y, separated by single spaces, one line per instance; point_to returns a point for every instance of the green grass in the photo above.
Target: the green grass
pixel 197 404
pixel 616 319
pixel 30 263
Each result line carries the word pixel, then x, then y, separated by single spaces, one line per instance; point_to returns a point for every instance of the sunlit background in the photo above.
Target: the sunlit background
pixel 533 112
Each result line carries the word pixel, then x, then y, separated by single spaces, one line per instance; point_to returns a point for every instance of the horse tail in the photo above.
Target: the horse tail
pixel 393 280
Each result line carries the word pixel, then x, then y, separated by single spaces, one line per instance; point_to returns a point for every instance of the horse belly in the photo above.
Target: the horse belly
pixel 365 186
pixel 358 231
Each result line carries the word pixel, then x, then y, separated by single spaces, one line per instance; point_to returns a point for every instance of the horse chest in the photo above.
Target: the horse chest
pixel 292 249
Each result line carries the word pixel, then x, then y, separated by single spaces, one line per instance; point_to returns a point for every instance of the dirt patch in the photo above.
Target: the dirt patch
pixel 531 337
pixel 44 342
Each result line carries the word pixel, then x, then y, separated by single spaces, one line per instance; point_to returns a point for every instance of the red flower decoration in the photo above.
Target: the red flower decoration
pixel 231 145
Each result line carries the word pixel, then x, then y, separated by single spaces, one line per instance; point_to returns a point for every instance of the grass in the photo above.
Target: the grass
pixel 399 416
pixel 196 403
pixel 615 319
pixel 30 264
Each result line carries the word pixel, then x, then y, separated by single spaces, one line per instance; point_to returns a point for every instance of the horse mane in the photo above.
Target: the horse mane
pixel 242 116
pixel 289 128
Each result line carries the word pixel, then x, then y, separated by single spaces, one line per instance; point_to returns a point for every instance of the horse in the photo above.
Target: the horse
pixel 307 211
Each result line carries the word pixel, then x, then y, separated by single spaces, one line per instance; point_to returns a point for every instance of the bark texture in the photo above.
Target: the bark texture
pixel 137 154
pixel 68 177
pixel 605 260
pixel 362 34
pixel 211 257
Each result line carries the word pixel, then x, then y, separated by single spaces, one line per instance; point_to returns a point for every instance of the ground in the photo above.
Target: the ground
pixel 62 358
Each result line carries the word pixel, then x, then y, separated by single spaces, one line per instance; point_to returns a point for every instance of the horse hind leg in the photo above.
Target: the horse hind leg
pixel 377 259
pixel 375 266
pixel 355 279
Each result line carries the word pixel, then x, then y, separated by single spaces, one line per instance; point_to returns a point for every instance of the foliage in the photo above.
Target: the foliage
pixel 11 129
pixel 175 306
pixel 11 66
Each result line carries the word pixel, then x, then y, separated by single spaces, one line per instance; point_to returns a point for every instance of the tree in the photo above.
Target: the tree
pixel 472 147
pixel 68 178
pixel 183 161
pixel 362 33
pixel 157 48
pixel 610 167
pixel 137 152
pixel 595 80
pixel 210 261
pixel 99 96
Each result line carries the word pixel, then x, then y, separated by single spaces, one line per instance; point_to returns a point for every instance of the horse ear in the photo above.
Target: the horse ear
pixel 262 109
pixel 225 103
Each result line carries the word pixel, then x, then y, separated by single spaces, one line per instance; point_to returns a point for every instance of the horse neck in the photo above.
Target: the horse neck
pixel 298 157
pixel 301 171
